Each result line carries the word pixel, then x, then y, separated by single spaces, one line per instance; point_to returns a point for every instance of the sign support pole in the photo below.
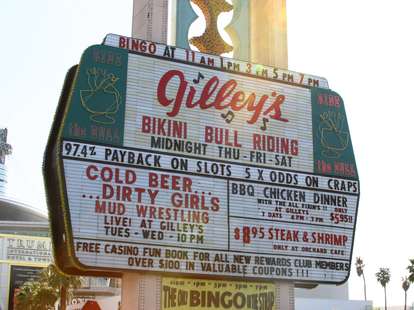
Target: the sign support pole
pixel 129 291
pixel 267 47
pixel 149 22
pixel 270 48
pixel 285 295
pixel 140 291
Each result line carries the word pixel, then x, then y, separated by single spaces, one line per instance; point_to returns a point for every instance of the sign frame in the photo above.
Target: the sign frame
pixel 62 236
pixel 59 219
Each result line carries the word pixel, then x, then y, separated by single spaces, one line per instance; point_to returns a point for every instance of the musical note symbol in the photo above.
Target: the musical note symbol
pixel 228 116
pixel 264 126
pixel 199 78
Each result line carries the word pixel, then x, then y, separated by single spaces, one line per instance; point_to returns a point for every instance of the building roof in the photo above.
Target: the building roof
pixel 11 210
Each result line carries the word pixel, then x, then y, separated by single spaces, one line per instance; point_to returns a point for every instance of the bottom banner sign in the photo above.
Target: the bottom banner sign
pixel 183 294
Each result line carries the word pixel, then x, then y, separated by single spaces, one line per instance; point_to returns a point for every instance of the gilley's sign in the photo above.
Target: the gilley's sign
pixel 171 161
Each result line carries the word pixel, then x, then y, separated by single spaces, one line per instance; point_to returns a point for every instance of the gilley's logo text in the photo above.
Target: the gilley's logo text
pixel 215 95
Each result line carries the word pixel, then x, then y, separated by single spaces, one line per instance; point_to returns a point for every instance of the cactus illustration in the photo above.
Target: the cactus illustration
pixel 102 99
pixel 332 133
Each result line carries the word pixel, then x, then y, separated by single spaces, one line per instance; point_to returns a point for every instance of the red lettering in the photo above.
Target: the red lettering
pixel 106 174
pixel 135 45
pixel 208 90
pixel 256 109
pixel 162 91
pixel 166 181
pixel 237 97
pixel 152 48
pixel 294 147
pixel 146 124
pixel 89 172
pixel 208 134
pixel 152 179
pixel 275 107
pixel 236 103
pixel 122 42
pixel 224 92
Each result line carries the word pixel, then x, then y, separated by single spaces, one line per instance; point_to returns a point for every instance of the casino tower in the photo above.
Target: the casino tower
pixel 5 149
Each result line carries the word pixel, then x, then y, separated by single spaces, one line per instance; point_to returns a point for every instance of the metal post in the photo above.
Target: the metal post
pixel 268 24
pixel 150 21
pixel 270 48
pixel 129 291
pixel 140 292
pixel 285 292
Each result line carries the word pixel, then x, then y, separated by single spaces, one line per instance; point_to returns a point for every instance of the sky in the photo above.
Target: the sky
pixel 364 49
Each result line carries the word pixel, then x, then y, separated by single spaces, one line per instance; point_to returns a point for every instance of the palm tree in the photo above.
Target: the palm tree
pixel 405 286
pixel 383 277
pixel 45 297
pixel 411 271
pixel 60 282
pixel 42 294
pixel 24 297
pixel 35 296
pixel 360 271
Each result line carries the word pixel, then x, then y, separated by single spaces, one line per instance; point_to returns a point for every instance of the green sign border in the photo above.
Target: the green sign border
pixel 59 218
pixel 333 154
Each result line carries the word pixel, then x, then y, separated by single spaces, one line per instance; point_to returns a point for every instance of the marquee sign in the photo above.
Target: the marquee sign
pixel 167 160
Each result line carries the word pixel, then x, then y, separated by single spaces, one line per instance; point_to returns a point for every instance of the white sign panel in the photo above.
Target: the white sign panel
pixel 180 165
pixel 35 250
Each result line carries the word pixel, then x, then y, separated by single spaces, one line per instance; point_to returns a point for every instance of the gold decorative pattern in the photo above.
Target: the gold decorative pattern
pixel 211 41
pixel 102 99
